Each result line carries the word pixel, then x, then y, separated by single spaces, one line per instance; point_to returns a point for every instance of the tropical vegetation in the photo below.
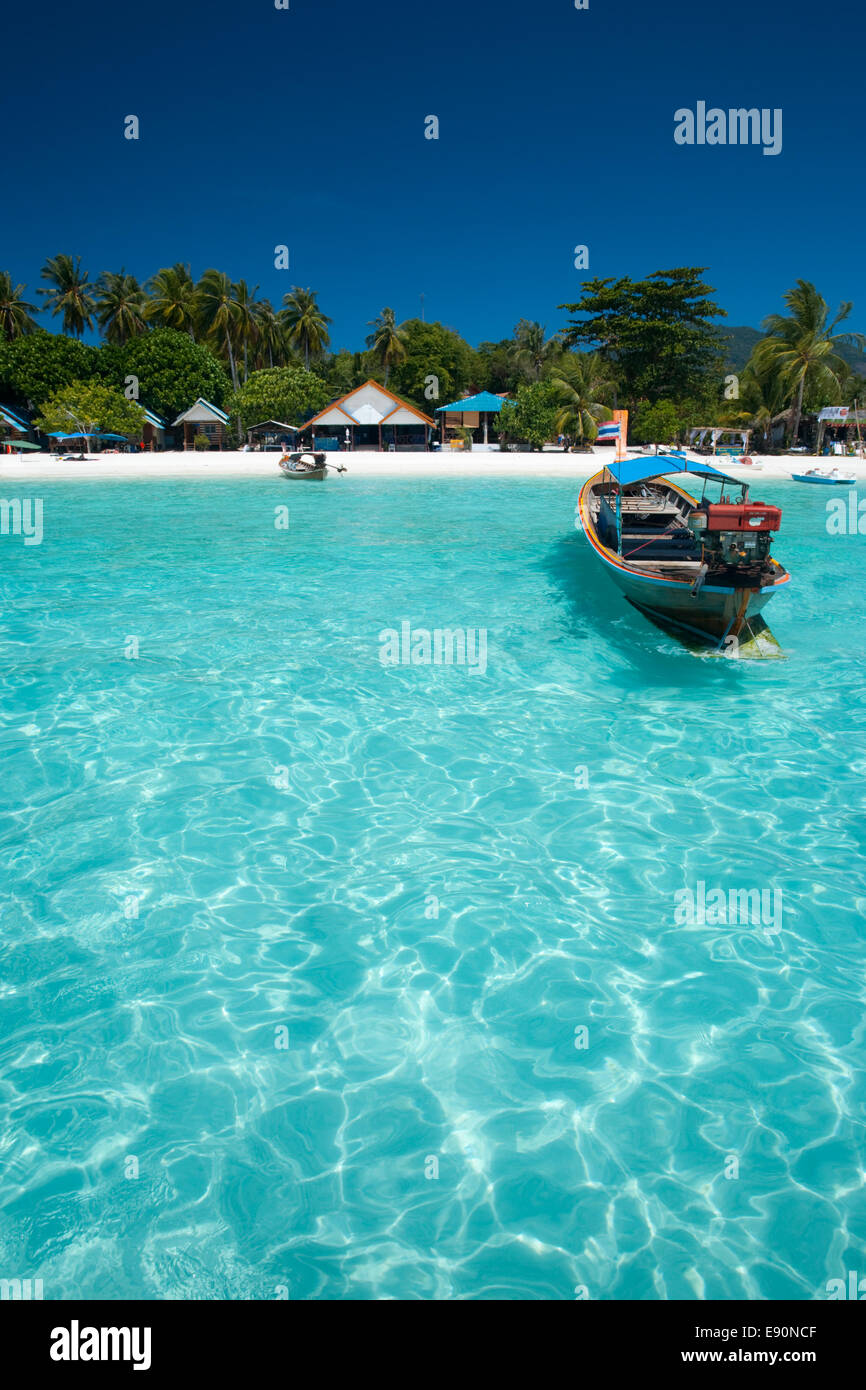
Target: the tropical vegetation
pixel 582 385
pixel 15 311
pixel 288 394
pixel 88 407
pixel 530 419
pixel 387 342
pixel 654 345
pixel 801 350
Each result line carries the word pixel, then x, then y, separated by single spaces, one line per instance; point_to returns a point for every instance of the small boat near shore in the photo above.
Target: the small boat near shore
pixel 308 466
pixel 697 567
pixel 826 477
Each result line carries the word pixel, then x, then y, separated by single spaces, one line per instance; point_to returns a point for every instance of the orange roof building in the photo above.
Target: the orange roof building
pixel 371 417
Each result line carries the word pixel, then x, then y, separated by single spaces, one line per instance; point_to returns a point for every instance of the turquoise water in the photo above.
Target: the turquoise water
pixel 285 928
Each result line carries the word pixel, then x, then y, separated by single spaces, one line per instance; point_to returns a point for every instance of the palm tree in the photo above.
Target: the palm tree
pixel 531 349
pixel 581 380
pixel 69 293
pixel 387 341
pixel 269 342
pixel 218 313
pixel 15 311
pixel 171 300
pixel 801 349
pixel 761 403
pixel 304 322
pixel 120 305
pixel 247 324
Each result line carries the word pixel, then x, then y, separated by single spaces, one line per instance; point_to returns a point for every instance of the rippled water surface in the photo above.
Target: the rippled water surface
pixel 297 948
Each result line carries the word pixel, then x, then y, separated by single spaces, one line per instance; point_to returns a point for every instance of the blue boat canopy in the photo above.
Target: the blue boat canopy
pixel 485 400
pixel 635 470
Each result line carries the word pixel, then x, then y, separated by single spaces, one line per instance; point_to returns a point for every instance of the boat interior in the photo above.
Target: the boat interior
pixel 654 525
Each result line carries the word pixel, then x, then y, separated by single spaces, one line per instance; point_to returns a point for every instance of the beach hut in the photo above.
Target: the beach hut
pixel 271 434
pixel 203 418
pixel 845 429
pixel 476 413
pixel 706 439
pixel 13 425
pixel 370 417
pixel 153 431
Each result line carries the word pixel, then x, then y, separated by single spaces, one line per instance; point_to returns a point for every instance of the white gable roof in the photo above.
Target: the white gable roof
pixel 369 404
pixel 365 413
pixel 202 410
pixel 334 416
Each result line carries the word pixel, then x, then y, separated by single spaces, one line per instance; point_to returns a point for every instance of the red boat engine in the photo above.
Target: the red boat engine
pixel 735 535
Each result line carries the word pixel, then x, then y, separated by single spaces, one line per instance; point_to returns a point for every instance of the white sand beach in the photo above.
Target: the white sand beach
pixel 475 464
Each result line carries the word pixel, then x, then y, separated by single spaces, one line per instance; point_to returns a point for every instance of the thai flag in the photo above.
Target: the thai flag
pixel 609 431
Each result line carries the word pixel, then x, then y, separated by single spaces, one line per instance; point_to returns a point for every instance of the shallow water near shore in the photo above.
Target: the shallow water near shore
pixel 297 948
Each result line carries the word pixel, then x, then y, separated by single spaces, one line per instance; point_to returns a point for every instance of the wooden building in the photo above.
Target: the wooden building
pixel 203 418
pixel 476 413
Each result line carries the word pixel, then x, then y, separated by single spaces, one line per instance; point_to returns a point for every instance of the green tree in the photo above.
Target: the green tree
pixel 438 365
pixel 532 349
pixel 270 348
pixel 659 423
pixel 15 311
pixel 387 342
pixel 87 408
pixel 531 418
pixel 218 313
pixel 761 399
pixel 247 323
pixel 171 299
pixel 304 324
pixel 289 394
pixel 581 382
pixel 171 371
pixel 68 293
pixel 343 371
pixel 655 333
pixel 495 368
pixel 120 303
pixel 802 349
pixel 34 366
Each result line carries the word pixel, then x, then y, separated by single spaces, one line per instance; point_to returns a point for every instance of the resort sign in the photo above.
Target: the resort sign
pixel 834 412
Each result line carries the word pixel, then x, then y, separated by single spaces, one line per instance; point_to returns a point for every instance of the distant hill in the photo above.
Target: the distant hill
pixel 740 344
pixel 742 340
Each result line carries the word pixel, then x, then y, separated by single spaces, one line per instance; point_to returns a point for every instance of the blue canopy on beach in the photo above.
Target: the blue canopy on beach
pixel 78 434
pixel 635 470
pixel 485 400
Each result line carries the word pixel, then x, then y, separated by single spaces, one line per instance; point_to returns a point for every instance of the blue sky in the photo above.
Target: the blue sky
pixel 305 127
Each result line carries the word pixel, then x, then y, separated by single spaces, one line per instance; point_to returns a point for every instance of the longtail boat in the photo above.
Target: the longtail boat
pixel 697 567
pixel 306 465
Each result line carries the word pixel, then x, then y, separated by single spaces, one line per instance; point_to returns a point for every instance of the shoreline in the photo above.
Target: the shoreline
pixel 475 464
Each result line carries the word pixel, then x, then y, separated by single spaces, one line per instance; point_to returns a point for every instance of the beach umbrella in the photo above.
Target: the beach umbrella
pixel 18 444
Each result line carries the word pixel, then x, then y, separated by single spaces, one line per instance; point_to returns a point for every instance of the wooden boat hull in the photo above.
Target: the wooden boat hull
pixel 310 475
pixel 708 614
pixel 712 611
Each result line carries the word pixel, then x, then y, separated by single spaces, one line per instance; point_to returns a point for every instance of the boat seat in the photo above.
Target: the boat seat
pixel 679 545
pixel 680 536
pixel 642 521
